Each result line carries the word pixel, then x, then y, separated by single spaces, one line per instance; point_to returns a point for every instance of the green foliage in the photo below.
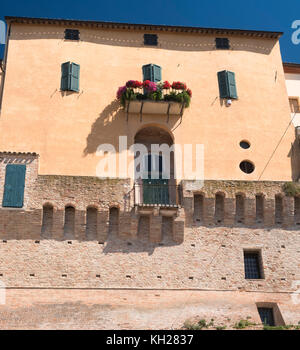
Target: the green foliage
pixel 191 326
pixel 181 97
pixel 128 95
pixel 243 324
pixel 291 189
pixel 156 95
pixel 281 328
pixel 202 324
pixel 197 326
pixel 140 97
pixel 220 328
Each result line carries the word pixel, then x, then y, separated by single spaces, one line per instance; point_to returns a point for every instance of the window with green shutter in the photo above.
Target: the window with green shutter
pixel 152 72
pixel 227 84
pixel 70 73
pixel 13 196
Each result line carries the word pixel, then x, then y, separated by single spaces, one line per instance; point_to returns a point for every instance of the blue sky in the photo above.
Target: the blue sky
pixel 271 15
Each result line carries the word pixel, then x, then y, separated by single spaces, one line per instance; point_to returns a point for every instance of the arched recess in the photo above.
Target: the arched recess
pixel 219 207
pixel 278 209
pixel 47 220
pixel 114 213
pixel 91 222
pixel 297 210
pixel 69 225
pixel 154 166
pixel 240 207
pixel 199 206
pixel 259 207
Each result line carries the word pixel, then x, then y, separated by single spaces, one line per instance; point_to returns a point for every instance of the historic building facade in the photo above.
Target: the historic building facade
pixel 225 246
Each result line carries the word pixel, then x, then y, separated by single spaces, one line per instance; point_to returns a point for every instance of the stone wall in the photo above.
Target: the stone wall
pixel 135 309
pixel 125 246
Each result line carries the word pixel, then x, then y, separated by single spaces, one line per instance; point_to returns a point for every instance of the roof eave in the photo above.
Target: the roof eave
pixel 148 27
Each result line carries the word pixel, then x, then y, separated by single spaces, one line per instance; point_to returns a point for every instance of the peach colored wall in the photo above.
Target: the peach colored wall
pixel 67 129
pixel 293 88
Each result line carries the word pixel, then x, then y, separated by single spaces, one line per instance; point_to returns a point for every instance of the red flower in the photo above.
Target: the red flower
pixel 146 83
pixel 166 85
pixel 134 84
pixel 138 84
pixel 189 91
pixel 177 85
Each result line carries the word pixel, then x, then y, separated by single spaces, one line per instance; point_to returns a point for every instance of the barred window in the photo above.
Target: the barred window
pixel 71 34
pixel 252 265
pixel 150 39
pixel 266 315
pixel 222 43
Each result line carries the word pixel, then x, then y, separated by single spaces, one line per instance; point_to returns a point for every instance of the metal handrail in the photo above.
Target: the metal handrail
pixel 163 194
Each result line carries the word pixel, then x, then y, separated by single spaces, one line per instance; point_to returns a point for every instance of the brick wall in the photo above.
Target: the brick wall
pixel 122 246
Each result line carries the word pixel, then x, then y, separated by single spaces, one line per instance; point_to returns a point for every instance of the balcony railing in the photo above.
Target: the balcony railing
pixel 163 195
pixel 154 98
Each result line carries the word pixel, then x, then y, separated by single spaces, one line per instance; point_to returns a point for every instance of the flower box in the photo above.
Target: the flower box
pixel 154 98
pixel 154 107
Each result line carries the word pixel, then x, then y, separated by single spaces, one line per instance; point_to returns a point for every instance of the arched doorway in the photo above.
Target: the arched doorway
pixel 154 175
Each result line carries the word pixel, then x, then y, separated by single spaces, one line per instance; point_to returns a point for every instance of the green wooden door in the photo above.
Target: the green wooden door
pixel 155 191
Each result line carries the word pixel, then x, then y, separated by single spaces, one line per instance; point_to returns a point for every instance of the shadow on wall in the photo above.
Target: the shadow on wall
pixel 104 128
pixel 115 244
pixel 111 124
pixel 170 41
pixel 82 226
pixel 294 155
pixel 241 212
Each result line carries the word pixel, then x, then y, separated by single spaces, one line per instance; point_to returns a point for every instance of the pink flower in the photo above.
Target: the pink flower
pixel 150 86
pixel 121 91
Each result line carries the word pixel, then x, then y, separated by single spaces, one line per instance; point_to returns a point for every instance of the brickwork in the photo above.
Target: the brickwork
pixel 136 309
pixel 105 242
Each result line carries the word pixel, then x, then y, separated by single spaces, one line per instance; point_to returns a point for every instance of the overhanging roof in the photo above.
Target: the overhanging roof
pixel 291 67
pixel 148 27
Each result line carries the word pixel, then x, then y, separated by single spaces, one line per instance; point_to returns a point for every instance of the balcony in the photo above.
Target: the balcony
pixel 154 107
pixel 149 97
pixel 157 195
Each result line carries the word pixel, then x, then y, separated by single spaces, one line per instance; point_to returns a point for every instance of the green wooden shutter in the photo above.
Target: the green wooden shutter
pixel 13 196
pixel 156 73
pixel 232 85
pixel 65 76
pixel 227 84
pixel 152 72
pixel 75 72
pixel 223 84
pixel 70 73
pixel 147 72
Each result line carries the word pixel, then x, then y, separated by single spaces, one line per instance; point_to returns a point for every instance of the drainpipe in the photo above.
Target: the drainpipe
pixel 3 68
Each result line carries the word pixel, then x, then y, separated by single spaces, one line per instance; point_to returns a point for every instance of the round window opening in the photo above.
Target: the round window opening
pixel 247 167
pixel 245 144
